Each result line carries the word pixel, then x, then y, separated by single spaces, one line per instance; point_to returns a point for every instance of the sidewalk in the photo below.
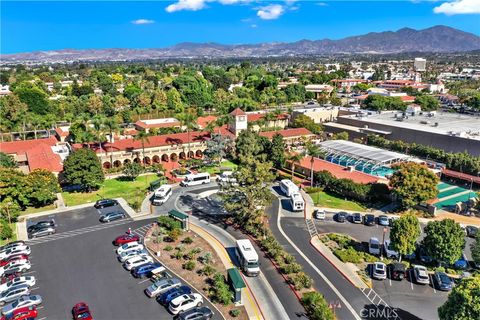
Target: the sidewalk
pixel 348 270
pixel 250 304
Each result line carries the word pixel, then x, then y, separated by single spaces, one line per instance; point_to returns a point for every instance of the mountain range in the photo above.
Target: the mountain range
pixel 438 39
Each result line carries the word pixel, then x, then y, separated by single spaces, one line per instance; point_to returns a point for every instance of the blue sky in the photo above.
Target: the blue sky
pixel 31 26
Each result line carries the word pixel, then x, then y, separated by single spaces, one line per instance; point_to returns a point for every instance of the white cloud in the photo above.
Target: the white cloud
pixel 143 21
pixel 270 12
pixel 458 7
pixel 191 5
pixel 227 2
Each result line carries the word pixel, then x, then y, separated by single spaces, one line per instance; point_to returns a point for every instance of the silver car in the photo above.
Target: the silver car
pixel 162 286
pixel 14 293
pixel 40 232
pixel 130 254
pixel 25 301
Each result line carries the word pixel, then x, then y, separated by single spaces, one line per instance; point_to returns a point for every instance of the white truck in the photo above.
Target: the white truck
pixel 247 257
pixel 162 194
pixel 288 187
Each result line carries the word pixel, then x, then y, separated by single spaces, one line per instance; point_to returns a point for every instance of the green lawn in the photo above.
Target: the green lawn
pixel 323 199
pixel 131 191
pixel 29 210
pixel 216 169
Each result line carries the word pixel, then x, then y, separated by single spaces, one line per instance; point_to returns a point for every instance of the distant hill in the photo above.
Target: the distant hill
pixel 435 39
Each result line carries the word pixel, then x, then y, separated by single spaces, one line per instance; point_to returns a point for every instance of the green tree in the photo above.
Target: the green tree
pixel 12 111
pixel 13 186
pixel 132 170
pixel 277 151
pixel 404 234
pixel 428 103
pixel 5 230
pixel 111 125
pixel 188 121
pixel 7 161
pixel 9 209
pixel 174 101
pixel 82 167
pixel 247 145
pixel 316 306
pixel 475 249
pixel 463 302
pixel 303 121
pixel 413 183
pixel 340 136
pixel 444 240
pixel 42 187
pixel 34 97
pixel 294 159
pixel 142 136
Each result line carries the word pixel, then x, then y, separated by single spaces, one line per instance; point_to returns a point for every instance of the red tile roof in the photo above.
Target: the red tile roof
pixel 61 132
pixel 238 112
pixel 204 121
pixel 338 171
pixel 407 98
pixel 42 157
pixel 153 141
pixel 287 133
pixel 257 116
pixel 21 146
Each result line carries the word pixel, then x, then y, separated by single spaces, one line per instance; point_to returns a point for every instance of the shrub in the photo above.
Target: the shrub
pixel 168 248
pixel 193 253
pixel 174 234
pixel 316 306
pixel 189 265
pixel 288 258
pixel 135 204
pixel 221 290
pixel 169 223
pixel 348 255
pixel 235 313
pixel 301 280
pixel 289 268
pixel 187 240
pixel 206 258
pixel 208 270
pixel 177 255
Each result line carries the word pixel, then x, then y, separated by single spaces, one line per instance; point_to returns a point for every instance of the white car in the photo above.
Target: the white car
pixel 389 250
pixel 13 294
pixel 21 265
pixel 319 214
pixel 22 302
pixel 27 280
pixel 374 246
pixel 131 253
pixel 130 246
pixel 18 250
pixel 379 271
pixel 185 302
pixel 421 274
pixel 137 261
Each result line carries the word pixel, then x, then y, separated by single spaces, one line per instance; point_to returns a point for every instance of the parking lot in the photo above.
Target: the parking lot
pixel 79 263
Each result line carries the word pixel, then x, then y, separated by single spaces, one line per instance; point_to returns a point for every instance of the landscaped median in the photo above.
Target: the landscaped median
pixel 191 257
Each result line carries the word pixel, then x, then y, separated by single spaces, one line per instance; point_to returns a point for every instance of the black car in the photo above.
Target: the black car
pixel 342 217
pixel 397 271
pixel 471 231
pixel 369 220
pixel 111 216
pixel 198 313
pixel 41 225
pixel 443 281
pixel 357 217
pixel 105 203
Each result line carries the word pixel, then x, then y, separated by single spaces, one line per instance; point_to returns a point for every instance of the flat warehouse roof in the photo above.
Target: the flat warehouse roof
pixel 361 151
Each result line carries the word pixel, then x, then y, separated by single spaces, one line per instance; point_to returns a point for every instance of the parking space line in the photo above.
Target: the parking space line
pixel 42 318
pixel 143 281
pixel 411 278
pixel 29 272
pixel 433 285
pixel 389 277
pixel 35 288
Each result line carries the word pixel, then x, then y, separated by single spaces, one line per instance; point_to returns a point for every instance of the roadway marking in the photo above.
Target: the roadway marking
pixel 411 278
pixel 389 276
pixel 35 288
pixel 433 285
pixel 42 318
pixel 143 281
pixel 345 302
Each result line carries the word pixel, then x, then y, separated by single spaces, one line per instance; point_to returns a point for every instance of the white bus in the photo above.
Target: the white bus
pixel 288 187
pixel 297 202
pixel 196 179
pixel 162 194
pixel 247 257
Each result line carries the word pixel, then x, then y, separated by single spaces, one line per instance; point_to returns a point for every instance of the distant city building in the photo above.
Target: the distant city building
pixel 317 113
pixel 147 125
pixel 420 64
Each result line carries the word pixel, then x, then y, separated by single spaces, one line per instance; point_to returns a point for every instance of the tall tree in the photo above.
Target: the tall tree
pixel 294 159
pixel 247 145
pixel 463 302
pixel 7 161
pixel 188 121
pixel 82 167
pixel 42 187
pixel 142 136
pixel 444 240
pixel 314 152
pixel 277 151
pixel 404 234
pixel 475 249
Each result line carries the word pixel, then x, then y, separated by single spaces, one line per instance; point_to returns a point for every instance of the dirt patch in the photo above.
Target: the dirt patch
pixel 201 254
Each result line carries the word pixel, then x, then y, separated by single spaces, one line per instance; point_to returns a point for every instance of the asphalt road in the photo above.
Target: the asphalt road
pixel 83 267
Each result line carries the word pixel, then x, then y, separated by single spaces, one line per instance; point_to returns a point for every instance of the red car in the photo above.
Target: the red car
pixel 25 313
pixel 126 238
pixel 13 258
pixel 6 278
pixel 81 311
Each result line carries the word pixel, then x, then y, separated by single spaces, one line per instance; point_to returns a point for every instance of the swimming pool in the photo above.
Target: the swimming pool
pixel 362 166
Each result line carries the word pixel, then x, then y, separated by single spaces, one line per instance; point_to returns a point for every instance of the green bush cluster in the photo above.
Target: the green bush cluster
pixel 221 290
pixel 316 306
pixel 235 312
pixel 168 223
pixel 189 265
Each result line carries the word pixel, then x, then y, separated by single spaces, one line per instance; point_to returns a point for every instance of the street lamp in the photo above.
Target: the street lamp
pixel 383 242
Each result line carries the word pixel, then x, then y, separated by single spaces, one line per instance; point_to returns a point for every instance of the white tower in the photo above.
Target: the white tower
pixel 239 122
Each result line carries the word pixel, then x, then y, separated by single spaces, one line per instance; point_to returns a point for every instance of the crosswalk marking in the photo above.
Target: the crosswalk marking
pixel 141 231
pixel 73 233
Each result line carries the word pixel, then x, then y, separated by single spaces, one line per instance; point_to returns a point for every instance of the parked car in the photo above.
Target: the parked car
pixel 13 258
pixel 15 251
pixel 410 256
pixel 129 246
pixel 27 280
pixel 421 274
pixel 383 221
pixel 40 225
pixel 14 293
pixel 9 276
pixel 131 253
pixel 202 313
pixel 171 294
pixel 126 238
pixel 25 313
pixel 369 220
pixel 41 232
pixel 357 217
pixel 471 231
pixel 342 217
pixel 374 246
pixel 105 203
pixel 422 254
pixel 137 261
pixel 443 281
pixel 112 216
pixel 185 302
pixel 161 286
pixel 11 245
pixel 147 270
pixel 319 214
pixel 22 302
pixel 81 311
pixel 461 263
pixel 397 271
pixel 379 271
pixel 20 265
pixel 389 251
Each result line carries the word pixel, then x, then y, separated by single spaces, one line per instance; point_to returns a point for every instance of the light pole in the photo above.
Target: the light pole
pixel 383 242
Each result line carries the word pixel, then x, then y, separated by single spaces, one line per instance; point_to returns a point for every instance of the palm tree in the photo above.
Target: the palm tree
pixel 187 120
pixel 99 131
pixel 314 152
pixel 294 159
pixel 277 112
pixel 112 126
pixel 210 127
pixel 142 136
pixel 269 117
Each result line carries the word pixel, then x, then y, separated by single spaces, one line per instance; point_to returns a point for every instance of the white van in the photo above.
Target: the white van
pixel 297 202
pixel 247 257
pixel 374 246
pixel 227 178
pixel 162 194
pixel 288 187
pixel 196 179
